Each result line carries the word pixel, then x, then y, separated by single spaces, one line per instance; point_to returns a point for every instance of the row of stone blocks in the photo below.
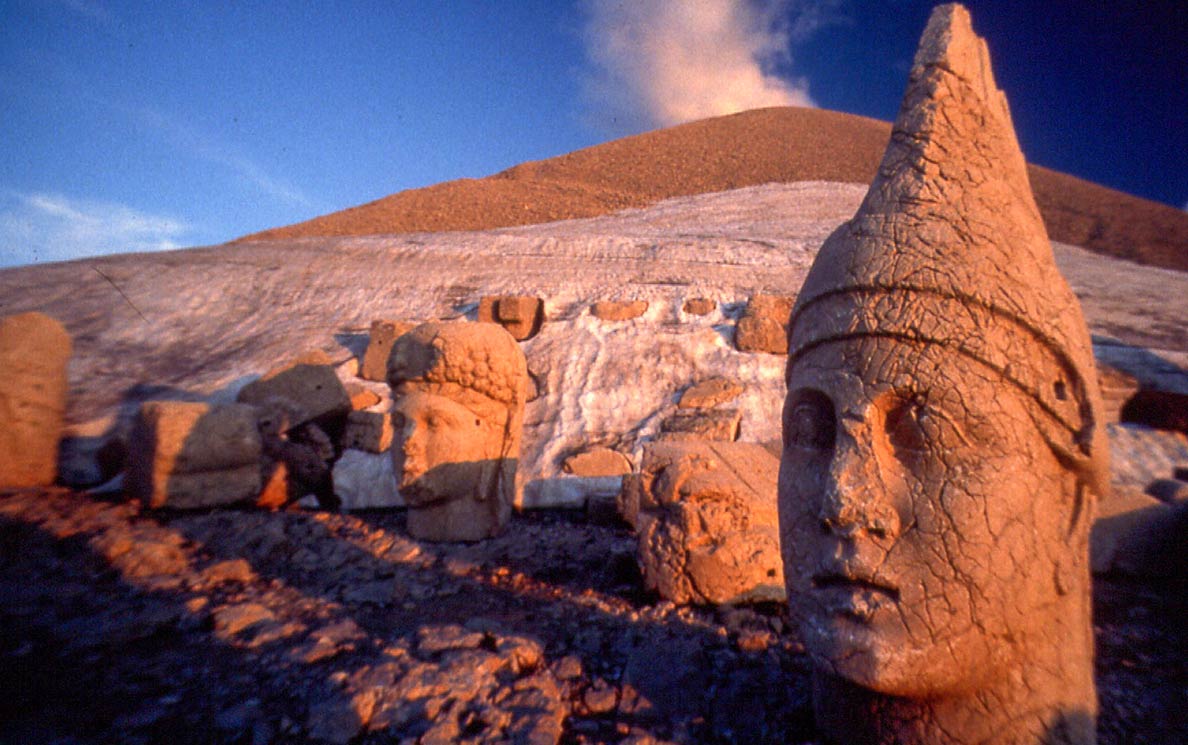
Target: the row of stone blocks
pixel 763 326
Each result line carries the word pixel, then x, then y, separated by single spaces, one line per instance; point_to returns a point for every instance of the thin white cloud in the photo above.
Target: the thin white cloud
pixel 660 62
pixel 203 146
pixel 40 227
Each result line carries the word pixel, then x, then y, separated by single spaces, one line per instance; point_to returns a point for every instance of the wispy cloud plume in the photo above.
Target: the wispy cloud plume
pixel 661 62
pixel 41 227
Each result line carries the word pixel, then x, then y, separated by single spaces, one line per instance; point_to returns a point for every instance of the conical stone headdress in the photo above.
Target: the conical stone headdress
pixel 948 248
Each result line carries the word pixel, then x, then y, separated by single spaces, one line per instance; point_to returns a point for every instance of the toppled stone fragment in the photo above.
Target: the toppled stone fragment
pixel 705 514
pixel 368 430
pixel 309 383
pixel 379 346
pixel 184 455
pixel 34 351
pixel 521 315
pixel 764 325
pixel 569 492
pixel 710 393
pixel 598 461
pixel 618 310
pixel 361 396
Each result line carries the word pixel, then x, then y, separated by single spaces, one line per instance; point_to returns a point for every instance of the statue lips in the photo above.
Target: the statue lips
pixel 853 592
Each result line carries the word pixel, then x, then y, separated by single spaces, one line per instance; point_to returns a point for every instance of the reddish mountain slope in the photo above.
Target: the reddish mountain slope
pixel 753 147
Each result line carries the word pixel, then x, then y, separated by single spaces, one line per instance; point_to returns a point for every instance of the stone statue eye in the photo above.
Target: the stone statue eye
pixel 911 428
pixel 809 421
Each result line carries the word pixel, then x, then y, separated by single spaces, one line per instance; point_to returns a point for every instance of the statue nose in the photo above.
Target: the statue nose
pixel 858 497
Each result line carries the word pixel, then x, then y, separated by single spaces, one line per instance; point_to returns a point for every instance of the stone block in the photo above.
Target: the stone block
pixel 705 515
pixel 521 315
pixel 364 480
pixel 699 306
pixel 710 393
pixel 764 325
pixel 379 346
pixel 362 397
pixel 597 462
pixel 618 310
pixel 34 352
pixel 186 455
pixel 368 430
pixel 702 424
pixel 308 383
pixel 569 492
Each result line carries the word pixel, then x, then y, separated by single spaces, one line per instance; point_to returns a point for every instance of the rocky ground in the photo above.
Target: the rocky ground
pixel 118 625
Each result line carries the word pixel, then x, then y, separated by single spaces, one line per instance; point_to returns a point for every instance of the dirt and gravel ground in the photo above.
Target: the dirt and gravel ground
pixel 253 627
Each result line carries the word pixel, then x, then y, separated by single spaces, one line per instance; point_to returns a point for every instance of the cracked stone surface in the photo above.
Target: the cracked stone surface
pixel 943 439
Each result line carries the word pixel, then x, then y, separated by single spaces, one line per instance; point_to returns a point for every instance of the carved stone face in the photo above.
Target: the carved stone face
pixel 441 450
pixel 922 517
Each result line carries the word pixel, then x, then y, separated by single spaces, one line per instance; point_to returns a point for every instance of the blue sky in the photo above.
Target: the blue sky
pixel 137 126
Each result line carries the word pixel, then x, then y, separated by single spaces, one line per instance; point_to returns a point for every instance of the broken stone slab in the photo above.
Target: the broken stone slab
pixel 705 514
pixel 368 430
pixel 379 346
pixel 598 461
pixel 365 481
pixel 710 393
pixel 699 306
pixel 309 382
pixel 702 424
pixel 34 352
pixel 521 315
pixel 764 325
pixel 185 455
pixel 569 492
pixel 618 310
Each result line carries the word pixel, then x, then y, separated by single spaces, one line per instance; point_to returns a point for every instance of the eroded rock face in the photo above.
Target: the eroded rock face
pixel 764 325
pixel 184 455
pixel 34 351
pixel 943 442
pixel 458 402
pixel 705 513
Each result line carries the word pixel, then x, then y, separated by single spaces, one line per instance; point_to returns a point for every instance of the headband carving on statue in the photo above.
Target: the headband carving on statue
pixel 458 390
pixel 943 442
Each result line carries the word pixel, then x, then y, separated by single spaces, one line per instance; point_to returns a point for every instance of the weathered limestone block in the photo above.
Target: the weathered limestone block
pixel 705 514
pixel 309 382
pixel 34 352
pixel 944 445
pixel 699 306
pixel 184 455
pixel 710 393
pixel 521 315
pixel 618 310
pixel 458 393
pixel 599 461
pixel 764 325
pixel 364 481
pixel 702 424
pixel 368 430
pixel 379 346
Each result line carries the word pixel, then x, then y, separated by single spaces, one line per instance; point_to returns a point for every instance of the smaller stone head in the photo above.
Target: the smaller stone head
pixel 458 393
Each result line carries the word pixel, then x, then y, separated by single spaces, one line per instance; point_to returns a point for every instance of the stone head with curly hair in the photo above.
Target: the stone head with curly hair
pixel 459 390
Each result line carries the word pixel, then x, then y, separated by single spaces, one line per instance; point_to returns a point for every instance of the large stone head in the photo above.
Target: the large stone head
pixel 458 399
pixel 942 441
